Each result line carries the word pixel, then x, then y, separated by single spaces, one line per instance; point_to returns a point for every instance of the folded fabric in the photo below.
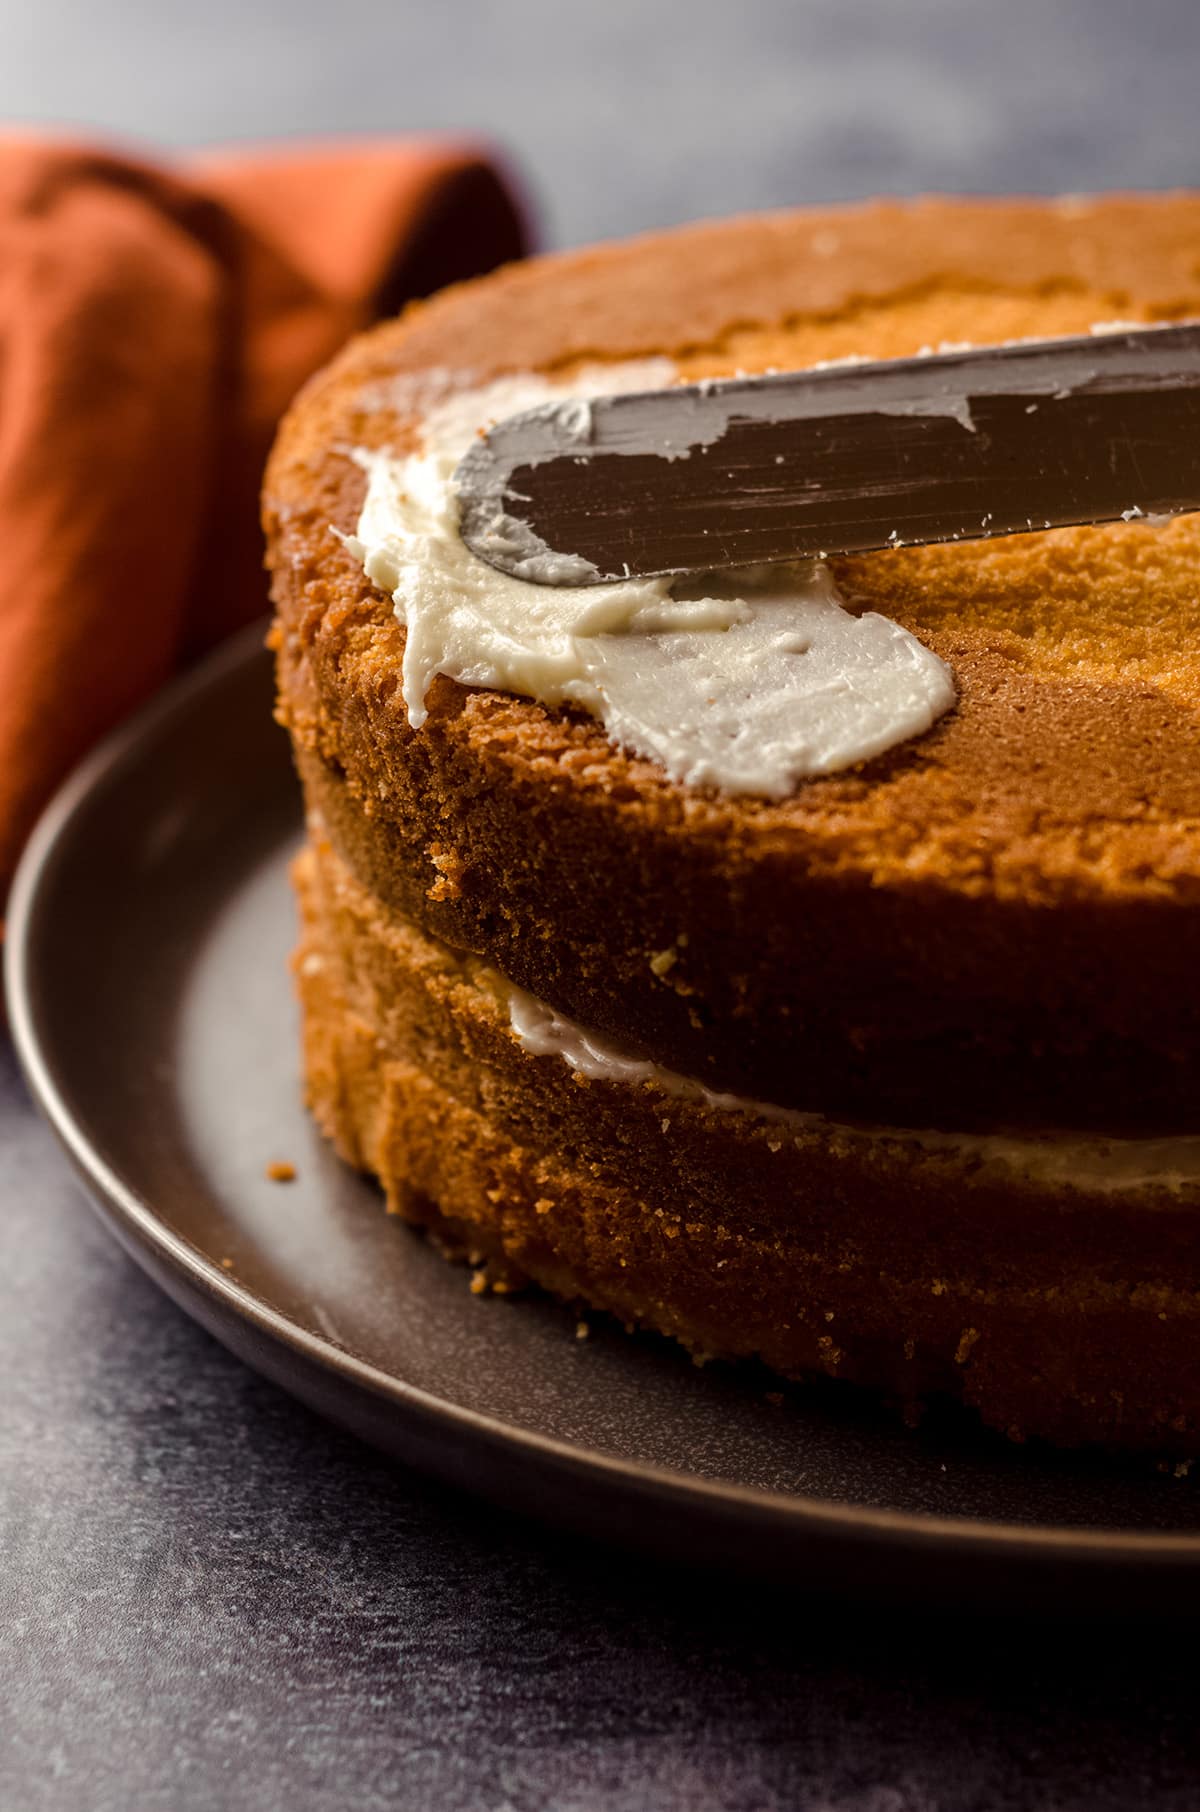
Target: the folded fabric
pixel 154 323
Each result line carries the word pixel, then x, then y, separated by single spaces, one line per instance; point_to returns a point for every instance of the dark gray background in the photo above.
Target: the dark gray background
pixel 629 114
pixel 207 1599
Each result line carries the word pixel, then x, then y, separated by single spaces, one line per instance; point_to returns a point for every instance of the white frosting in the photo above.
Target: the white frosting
pixel 748 681
pixel 1103 1166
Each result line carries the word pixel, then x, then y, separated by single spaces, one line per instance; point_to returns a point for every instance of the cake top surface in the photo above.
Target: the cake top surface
pixel 1071 763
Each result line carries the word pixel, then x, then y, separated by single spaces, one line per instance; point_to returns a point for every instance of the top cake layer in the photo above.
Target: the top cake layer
pixel 996 922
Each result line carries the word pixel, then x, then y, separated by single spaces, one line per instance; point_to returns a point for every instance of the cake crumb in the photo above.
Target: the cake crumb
pixel 966 1341
pixel 543 1205
pixel 280 1171
pixel 663 961
pixel 1182 1469
pixel 227 1264
pixel 450 868
pixel 582 1330
pixel 774 1144
pixel 479 1283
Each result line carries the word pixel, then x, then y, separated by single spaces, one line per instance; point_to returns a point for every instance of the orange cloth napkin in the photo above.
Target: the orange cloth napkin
pixel 154 323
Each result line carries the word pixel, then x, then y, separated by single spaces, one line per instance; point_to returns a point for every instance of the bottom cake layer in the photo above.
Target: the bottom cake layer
pixel 1053 1284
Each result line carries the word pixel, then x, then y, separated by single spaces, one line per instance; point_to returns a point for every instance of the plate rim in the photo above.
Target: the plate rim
pixel 153 1243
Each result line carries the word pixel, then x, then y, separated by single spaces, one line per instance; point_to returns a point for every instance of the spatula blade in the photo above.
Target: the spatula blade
pixel 846 459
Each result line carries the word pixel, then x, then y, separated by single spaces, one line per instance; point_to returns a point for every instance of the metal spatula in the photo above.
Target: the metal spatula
pixel 857 456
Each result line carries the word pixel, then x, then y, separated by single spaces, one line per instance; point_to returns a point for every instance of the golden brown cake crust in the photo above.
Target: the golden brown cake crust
pixel 1060 1309
pixel 997 921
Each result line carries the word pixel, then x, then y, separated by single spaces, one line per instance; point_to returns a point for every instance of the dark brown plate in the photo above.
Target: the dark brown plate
pixel 151 1005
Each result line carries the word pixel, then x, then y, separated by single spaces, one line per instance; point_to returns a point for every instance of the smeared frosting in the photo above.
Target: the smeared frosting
pixel 748 681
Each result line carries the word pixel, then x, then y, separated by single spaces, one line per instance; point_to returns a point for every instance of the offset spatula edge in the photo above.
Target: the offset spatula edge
pixel 844 459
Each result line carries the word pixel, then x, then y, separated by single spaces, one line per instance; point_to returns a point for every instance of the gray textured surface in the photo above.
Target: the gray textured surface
pixel 206 1598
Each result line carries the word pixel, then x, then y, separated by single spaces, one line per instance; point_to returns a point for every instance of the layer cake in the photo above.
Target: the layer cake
pixel 888 1075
